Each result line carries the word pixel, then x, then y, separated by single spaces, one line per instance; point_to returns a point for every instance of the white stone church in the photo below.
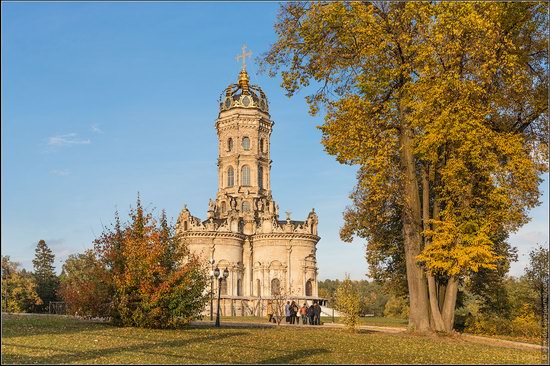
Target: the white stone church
pixel 243 231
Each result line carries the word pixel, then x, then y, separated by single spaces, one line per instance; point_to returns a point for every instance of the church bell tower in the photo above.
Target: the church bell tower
pixel 244 129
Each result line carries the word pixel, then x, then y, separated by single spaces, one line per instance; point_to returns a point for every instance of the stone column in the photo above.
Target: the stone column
pixel 262 287
pixel 289 275
pixel 304 278
pixel 250 277
pixel 230 280
pixel 314 287
pixel 246 259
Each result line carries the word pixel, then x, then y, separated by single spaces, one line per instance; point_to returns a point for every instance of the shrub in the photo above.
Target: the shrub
pixel 521 326
pixel 347 301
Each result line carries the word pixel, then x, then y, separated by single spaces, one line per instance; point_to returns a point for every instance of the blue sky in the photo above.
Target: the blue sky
pixel 102 100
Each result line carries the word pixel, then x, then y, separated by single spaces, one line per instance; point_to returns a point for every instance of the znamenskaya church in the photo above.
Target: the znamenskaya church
pixel 243 232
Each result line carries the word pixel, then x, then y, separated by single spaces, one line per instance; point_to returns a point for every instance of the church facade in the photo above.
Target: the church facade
pixel 243 232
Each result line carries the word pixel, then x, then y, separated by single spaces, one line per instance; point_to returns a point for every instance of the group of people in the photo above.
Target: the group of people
pixel 294 313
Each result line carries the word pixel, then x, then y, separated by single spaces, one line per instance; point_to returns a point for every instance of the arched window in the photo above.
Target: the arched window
pixel 224 287
pixel 246 206
pixel 245 176
pixel 229 144
pixel 246 143
pixel 275 287
pixel 230 177
pixel 258 287
pixel 224 206
pixel 239 284
pixel 309 288
pixel 260 177
pixel 261 145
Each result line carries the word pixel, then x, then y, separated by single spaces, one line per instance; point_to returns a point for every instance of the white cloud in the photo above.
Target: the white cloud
pixel 67 140
pixel 60 172
pixel 96 129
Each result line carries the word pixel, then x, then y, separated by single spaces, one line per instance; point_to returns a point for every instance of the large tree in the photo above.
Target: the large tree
pixel 444 108
pixel 47 281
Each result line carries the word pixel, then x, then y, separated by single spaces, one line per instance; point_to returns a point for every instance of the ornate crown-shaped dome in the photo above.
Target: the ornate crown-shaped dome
pixel 243 95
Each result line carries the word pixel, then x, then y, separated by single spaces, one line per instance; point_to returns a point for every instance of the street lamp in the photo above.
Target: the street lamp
pixel 212 289
pixel 220 278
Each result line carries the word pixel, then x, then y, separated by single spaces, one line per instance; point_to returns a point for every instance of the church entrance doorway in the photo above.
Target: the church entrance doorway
pixel 309 288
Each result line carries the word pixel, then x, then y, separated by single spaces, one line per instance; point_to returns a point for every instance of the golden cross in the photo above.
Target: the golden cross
pixel 243 56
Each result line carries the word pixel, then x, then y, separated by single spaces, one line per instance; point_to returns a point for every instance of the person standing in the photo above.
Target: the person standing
pixel 317 314
pixel 292 312
pixel 303 314
pixel 310 314
pixel 287 311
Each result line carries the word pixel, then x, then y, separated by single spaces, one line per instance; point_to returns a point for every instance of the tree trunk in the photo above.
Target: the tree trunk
pixel 438 323
pixel 441 290
pixel 448 311
pixel 419 317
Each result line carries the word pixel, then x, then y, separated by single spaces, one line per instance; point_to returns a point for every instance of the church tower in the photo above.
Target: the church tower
pixel 244 129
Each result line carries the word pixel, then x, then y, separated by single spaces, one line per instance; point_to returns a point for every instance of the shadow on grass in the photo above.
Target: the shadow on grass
pixel 294 356
pixel 80 357
pixel 15 325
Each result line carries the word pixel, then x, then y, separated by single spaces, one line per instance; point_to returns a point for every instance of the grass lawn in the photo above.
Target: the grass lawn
pixel 52 339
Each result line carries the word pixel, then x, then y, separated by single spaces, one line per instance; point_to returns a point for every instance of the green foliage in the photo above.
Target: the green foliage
pixel 18 288
pixel 372 295
pixel 517 316
pixel 347 302
pixel 156 281
pixel 47 282
pixel 397 307
pixel 537 277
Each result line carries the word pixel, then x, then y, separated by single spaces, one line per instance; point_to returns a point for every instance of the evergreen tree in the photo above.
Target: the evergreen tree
pixel 47 281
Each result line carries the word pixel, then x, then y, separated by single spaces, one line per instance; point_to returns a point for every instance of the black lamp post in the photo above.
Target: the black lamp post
pixel 220 278
pixel 212 289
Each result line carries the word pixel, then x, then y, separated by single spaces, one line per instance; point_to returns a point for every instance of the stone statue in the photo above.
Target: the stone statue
pixel 211 205
pixel 260 205
pixel 312 221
